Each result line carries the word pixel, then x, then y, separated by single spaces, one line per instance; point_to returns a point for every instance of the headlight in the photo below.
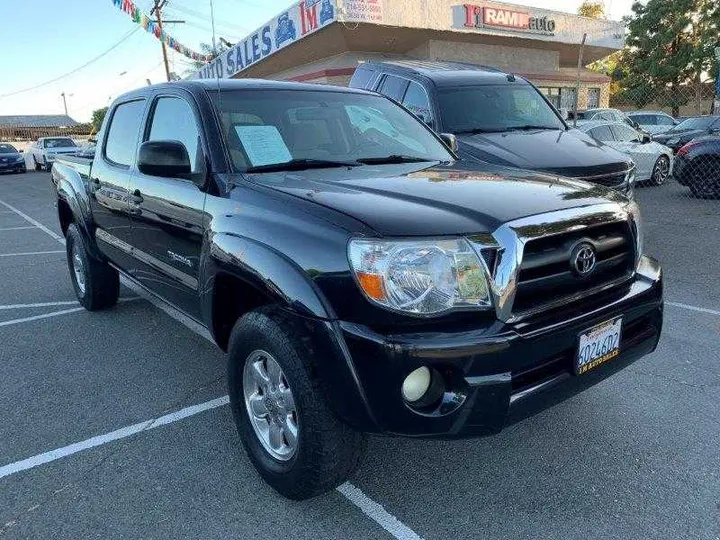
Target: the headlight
pixel 421 277
pixel 636 223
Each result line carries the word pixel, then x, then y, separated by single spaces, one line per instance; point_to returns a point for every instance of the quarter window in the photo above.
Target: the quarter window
pixel 417 102
pixel 173 119
pixel 361 78
pixel 123 133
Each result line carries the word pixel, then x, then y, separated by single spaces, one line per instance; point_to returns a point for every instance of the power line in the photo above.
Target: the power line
pixel 126 36
pixel 205 18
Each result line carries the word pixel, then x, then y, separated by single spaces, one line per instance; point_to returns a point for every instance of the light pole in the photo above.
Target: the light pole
pixel 64 103
pixel 716 108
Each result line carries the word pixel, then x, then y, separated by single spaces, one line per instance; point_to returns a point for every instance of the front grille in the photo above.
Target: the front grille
pixel 546 276
pixel 614 180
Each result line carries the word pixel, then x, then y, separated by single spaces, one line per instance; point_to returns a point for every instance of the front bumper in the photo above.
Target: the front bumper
pixel 500 373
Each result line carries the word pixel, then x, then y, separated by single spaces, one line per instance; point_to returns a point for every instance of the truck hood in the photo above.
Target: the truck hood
pixel 572 153
pixel 417 199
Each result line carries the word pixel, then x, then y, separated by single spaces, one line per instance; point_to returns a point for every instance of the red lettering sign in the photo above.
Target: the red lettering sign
pixel 308 18
pixel 506 18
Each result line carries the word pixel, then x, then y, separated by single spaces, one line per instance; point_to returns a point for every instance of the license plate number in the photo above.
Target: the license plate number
pixel 598 345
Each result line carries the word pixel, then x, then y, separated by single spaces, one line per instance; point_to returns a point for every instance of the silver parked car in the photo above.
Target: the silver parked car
pixel 652 160
pixel 43 151
pixel 653 122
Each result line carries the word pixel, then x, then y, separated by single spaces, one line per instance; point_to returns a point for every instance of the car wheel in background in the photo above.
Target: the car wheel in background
pixel 295 442
pixel 661 171
pixel 96 283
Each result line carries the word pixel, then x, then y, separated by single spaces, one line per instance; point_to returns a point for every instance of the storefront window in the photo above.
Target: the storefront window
pixel 593 98
pixel 567 98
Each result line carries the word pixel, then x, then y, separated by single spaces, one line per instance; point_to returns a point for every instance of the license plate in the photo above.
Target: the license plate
pixel 598 345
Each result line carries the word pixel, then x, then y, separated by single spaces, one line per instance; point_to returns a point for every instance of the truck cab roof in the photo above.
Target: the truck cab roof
pixel 445 73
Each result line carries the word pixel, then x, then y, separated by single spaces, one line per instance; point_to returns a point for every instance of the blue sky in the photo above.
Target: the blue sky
pixel 61 36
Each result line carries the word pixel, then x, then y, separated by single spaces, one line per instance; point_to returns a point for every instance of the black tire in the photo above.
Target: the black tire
pixel 327 451
pixel 661 171
pixel 38 167
pixel 100 285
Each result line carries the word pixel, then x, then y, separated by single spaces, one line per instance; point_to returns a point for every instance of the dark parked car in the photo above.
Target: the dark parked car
pixel 361 281
pixel 697 166
pixel 11 159
pixel 498 118
pixel 689 129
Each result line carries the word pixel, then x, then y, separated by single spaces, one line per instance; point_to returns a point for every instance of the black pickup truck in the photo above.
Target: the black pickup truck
pixel 360 280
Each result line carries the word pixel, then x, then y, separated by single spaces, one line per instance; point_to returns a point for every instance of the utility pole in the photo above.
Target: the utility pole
pixel 64 103
pixel 157 11
pixel 577 83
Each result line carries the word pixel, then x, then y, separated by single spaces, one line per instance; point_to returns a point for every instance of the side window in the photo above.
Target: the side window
pixel 393 87
pixel 361 78
pixel 661 120
pixel 173 119
pixel 122 138
pixel 625 134
pixel 602 133
pixel 416 101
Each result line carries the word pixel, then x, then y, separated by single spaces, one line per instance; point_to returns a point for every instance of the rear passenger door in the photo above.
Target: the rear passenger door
pixel 393 87
pixel 417 101
pixel 167 213
pixel 110 175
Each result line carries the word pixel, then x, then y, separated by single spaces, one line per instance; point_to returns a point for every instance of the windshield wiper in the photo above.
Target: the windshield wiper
pixel 529 127
pixel 301 164
pixel 394 158
pixel 475 131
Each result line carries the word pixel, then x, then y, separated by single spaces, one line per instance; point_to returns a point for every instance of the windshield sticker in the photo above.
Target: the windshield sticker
pixel 263 145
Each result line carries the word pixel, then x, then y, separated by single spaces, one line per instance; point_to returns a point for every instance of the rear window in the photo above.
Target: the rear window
pixel 361 78
pixel 123 133
pixel 645 119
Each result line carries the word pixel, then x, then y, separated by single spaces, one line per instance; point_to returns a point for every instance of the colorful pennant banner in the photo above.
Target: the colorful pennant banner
pixel 152 27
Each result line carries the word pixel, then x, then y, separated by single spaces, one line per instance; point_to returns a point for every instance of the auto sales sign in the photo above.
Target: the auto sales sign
pixel 300 20
pixel 502 17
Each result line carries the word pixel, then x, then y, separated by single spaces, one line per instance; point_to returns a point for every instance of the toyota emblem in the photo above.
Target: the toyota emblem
pixel 583 259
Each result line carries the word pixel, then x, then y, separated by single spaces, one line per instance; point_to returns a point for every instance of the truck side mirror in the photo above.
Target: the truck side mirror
pixel 167 159
pixel 450 141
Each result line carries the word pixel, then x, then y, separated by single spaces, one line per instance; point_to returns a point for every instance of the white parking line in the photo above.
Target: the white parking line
pixel 121 433
pixel 18 228
pixel 369 507
pixel 40 304
pixel 52 314
pixel 377 513
pixel 694 308
pixel 28 253
pixel 39 225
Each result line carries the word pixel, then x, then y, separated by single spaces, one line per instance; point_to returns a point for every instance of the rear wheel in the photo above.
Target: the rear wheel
pixel 96 284
pixel 294 441
pixel 661 171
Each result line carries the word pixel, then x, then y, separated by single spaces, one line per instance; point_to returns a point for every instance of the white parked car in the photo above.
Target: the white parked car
pixel 43 151
pixel 653 122
pixel 653 160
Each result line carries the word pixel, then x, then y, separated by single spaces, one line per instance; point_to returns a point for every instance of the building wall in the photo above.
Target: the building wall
pixel 517 59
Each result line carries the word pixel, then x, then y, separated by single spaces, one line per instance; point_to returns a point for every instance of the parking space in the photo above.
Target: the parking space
pixel 634 457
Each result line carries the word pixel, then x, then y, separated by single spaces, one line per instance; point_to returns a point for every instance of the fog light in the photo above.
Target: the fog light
pixel 416 384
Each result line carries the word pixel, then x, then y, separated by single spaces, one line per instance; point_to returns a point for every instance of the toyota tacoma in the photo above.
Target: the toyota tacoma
pixel 361 280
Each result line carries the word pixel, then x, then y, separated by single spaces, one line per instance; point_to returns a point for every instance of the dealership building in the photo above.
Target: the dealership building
pixel 323 41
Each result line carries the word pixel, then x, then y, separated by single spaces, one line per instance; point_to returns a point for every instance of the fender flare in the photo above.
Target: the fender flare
pixel 72 191
pixel 264 268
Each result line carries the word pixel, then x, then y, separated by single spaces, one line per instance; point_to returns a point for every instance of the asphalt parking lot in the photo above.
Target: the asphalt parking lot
pixel 637 456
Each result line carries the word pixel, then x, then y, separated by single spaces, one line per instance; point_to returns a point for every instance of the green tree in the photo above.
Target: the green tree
pixel 668 50
pixel 98 115
pixel 593 9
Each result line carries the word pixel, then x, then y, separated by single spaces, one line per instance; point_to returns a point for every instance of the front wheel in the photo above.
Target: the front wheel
pixel 96 283
pixel 294 441
pixel 661 171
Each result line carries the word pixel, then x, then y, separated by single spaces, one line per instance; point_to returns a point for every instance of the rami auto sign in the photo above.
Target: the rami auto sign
pixel 478 17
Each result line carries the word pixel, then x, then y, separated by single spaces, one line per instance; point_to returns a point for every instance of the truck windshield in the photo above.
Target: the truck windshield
pixel 268 130
pixel 495 108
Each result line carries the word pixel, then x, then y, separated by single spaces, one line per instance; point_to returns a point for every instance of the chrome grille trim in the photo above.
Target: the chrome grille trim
pixel 510 240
